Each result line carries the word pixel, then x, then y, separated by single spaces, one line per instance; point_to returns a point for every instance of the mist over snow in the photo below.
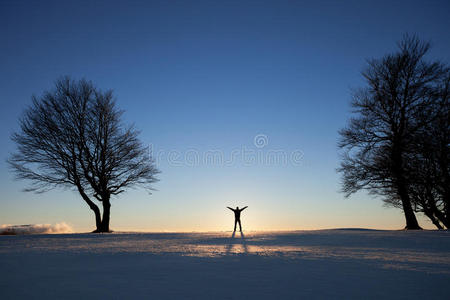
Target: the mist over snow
pixel 7 229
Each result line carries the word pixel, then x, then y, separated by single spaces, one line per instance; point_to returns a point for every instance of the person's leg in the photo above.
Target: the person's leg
pixel 235 222
pixel 240 227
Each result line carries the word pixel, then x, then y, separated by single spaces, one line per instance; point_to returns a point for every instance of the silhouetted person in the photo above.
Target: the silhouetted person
pixel 237 216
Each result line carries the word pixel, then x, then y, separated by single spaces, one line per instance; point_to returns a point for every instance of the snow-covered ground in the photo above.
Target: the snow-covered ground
pixel 332 264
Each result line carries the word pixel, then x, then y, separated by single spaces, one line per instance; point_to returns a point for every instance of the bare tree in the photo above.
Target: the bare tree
pixel 441 133
pixel 397 103
pixel 428 164
pixel 73 137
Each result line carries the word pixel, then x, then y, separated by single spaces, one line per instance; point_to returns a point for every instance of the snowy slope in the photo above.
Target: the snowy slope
pixel 330 264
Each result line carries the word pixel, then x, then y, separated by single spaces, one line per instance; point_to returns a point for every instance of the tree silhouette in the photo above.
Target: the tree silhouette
pixel 73 137
pixel 397 103
pixel 428 162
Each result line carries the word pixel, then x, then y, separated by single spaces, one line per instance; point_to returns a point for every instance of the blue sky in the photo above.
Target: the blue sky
pixel 202 76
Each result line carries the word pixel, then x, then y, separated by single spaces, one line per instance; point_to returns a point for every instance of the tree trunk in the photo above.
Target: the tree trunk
pixel 441 216
pixel 93 207
pixel 402 190
pixel 106 214
pixel 411 220
pixel 98 222
pixel 433 219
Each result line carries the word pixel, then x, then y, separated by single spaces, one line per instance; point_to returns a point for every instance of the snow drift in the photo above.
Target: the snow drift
pixel 7 229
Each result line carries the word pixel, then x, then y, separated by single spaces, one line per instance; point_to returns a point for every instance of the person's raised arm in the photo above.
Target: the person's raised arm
pixel 230 208
pixel 244 208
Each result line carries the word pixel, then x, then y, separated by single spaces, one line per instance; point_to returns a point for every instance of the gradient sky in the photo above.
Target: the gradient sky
pixel 202 76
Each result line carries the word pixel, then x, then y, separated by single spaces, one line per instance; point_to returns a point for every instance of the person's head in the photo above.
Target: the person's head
pixel 237 207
